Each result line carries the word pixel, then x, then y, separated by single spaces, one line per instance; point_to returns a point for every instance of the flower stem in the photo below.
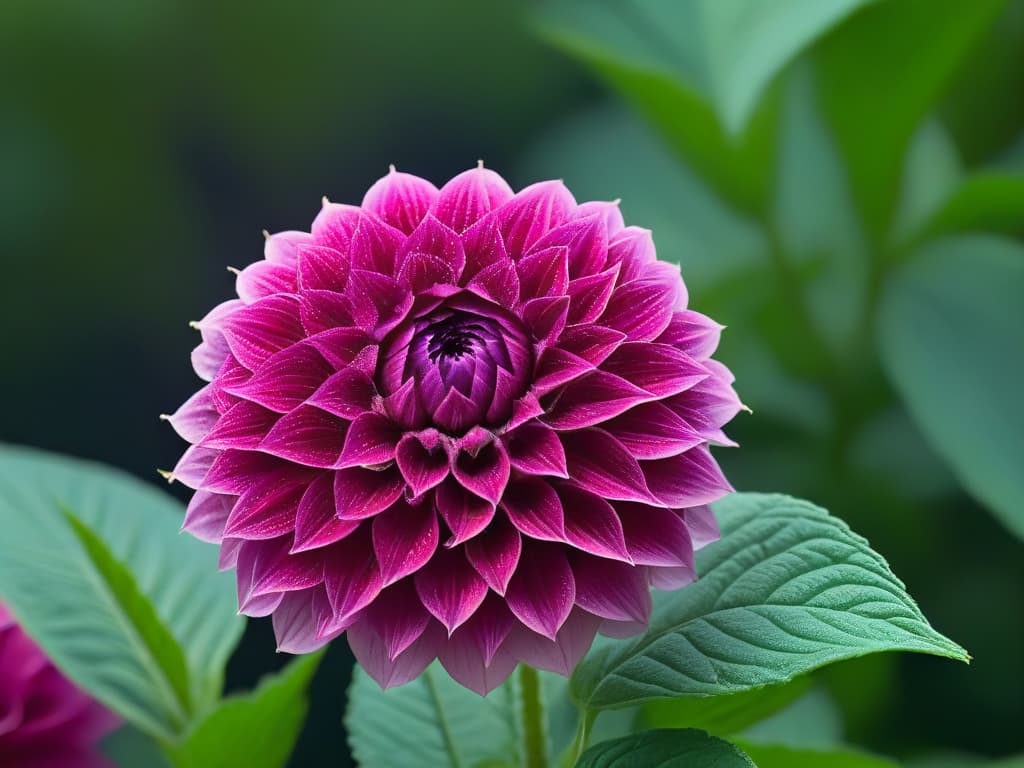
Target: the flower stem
pixel 534 741
pixel 579 743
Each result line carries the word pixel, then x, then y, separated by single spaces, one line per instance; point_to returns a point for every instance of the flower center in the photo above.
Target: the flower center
pixel 467 360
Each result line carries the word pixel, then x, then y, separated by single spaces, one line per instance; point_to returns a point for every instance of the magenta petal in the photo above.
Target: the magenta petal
pixel 378 301
pixel 432 238
pixel 207 515
pixel 465 513
pixel 400 199
pixel 589 295
pixel 557 367
pixel 321 310
pixel 421 271
pixel 194 466
pixel 360 493
pixel 608 212
pixel 687 480
pixel 258 331
pixel 244 425
pixel 268 567
pixel 322 269
pixel 592 399
pixel 531 213
pixel 397 617
pixel 469 196
pixel 266 509
pixel 422 469
pixel 534 449
pixel 587 240
pixel 561 654
pixel 653 431
pixel 658 368
pixel 535 509
pixel 371 439
pixel 544 273
pixel 464 661
pixel 264 278
pixel 307 436
pixel 295 622
pixel 483 245
pixel 592 524
pixel 196 417
pixel 498 282
pixel 546 317
pixel 404 406
pixel 456 412
pixel 671 578
pixel 484 632
pixel 495 554
pixel 233 471
pixel 600 464
pixel 316 520
pixel 593 343
pixel 351 575
pixel 210 355
pixel 404 539
pixel 335 225
pixel 347 394
pixel 656 536
pixel 285 380
pixel 450 588
pixel 341 347
pixel 541 591
pixel 374 245
pixel 611 590
pixel 282 247
pixel 372 654
pixel 641 309
pixel 633 250
pixel 485 474
pixel 702 525
pixel 692 332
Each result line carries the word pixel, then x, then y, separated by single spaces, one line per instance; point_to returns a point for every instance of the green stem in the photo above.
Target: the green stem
pixel 534 741
pixel 579 744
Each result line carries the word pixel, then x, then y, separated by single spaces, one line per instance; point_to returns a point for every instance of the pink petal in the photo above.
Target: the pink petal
pixel 608 212
pixel 557 367
pixel 546 317
pixel 588 296
pixel 347 394
pixel 194 466
pixel 599 463
pixel 450 588
pixel 593 343
pixel 656 536
pixel 432 238
pixel 207 514
pixel 404 539
pixel 563 653
pixel 535 509
pixel 258 331
pixel 529 215
pixel 400 199
pixel 374 246
pixel 351 575
pixel 544 272
pixel 371 439
pixel 267 508
pixel 404 406
pixel 467 664
pixel 322 269
pixel 485 474
pixel 633 249
pixel 282 247
pixel 342 347
pixel 244 425
pixel 541 591
pixel 316 520
pixel 196 417
pixel 335 225
pixel 702 525
pixel 371 653
pixel 587 240
pixel 397 617
pixel 307 436
pixel 285 380
pixel 593 399
pixel 465 513
pixel 469 196
pixel 611 590
pixel 641 309
pixel 652 431
pixel 495 554
pixel 321 310
pixel 379 302
pixel 360 493
pixel 264 278
pixel 295 624
pixel 483 245
pixel 210 355
pixel 269 567
pixel 658 368
pixel 497 282
pixel 671 578
pixel 421 271
pixel 422 469
pixel 233 471
pixel 687 480
pixel 693 333
pixel 592 524
pixel 534 449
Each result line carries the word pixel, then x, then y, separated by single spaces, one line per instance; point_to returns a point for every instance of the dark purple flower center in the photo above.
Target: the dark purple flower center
pixel 468 359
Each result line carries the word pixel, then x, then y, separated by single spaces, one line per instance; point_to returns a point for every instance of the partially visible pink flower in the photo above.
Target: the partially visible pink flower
pixel 465 424
pixel 45 721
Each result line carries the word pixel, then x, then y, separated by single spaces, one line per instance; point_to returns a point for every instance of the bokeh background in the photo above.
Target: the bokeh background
pixel 144 145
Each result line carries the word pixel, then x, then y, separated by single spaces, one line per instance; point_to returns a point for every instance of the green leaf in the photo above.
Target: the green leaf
pixel 988 201
pixel 258 729
pixel 62 596
pixel 137 618
pixel 811 722
pixel 786 590
pixel 723 715
pixel 432 721
pixel 652 53
pixel 665 749
pixel 951 331
pixel 876 102
pixel 773 756
pixel 931 173
pixel 129 747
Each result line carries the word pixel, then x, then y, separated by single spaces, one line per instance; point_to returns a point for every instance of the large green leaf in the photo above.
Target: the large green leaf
pixel 72 593
pixel 775 756
pixel 258 729
pixel 665 749
pixel 787 589
pixel 881 73
pixel 432 721
pixel 988 201
pixel 951 332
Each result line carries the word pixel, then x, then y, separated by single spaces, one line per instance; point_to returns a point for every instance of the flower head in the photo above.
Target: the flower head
pixel 45 721
pixel 465 424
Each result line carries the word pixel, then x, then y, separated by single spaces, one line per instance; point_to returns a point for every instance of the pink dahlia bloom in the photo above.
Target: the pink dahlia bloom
pixel 45 721
pixel 466 424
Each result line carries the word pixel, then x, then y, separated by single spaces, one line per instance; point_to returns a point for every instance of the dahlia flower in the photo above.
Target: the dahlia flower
pixel 45 721
pixel 466 424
